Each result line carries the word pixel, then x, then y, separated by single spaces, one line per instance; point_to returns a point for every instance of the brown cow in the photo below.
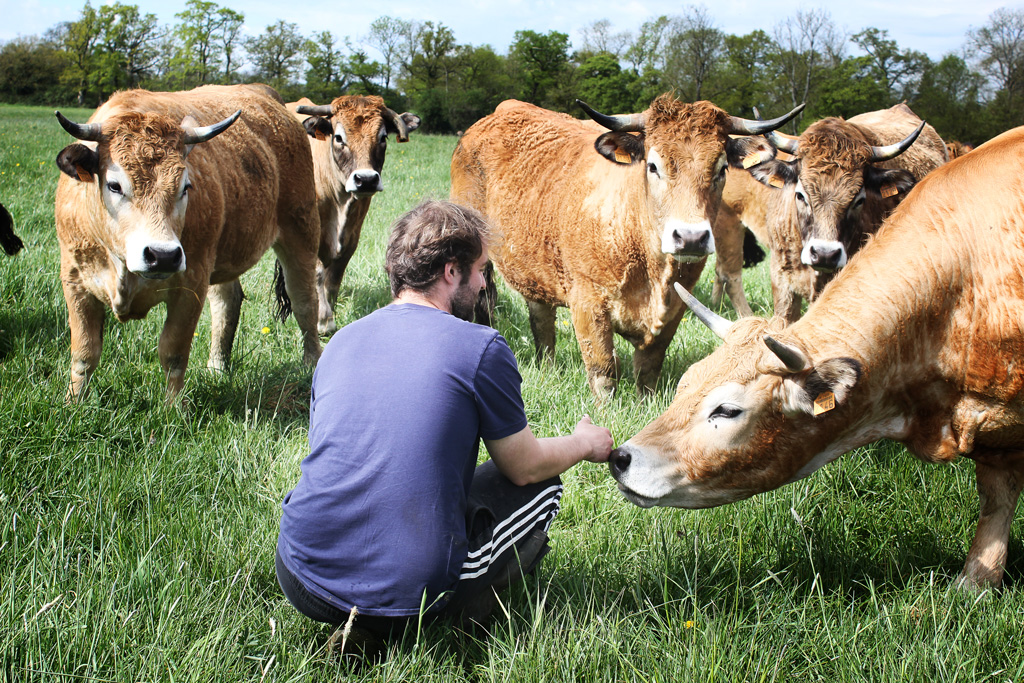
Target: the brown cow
pixel 348 139
pixel 848 175
pixel 608 236
pixel 919 339
pixel 150 209
pixel 955 149
pixel 11 243
pixel 744 204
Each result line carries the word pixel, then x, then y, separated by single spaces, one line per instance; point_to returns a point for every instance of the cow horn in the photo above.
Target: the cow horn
pixel 750 127
pixel 788 145
pixel 315 109
pixel 791 357
pixel 886 152
pixel 93 132
pixel 716 323
pixel 630 123
pixel 193 136
pixel 403 131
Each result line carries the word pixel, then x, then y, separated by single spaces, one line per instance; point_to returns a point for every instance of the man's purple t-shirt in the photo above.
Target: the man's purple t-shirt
pixel 400 401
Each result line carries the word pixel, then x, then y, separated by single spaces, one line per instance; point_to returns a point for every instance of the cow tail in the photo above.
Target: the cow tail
pixel 10 242
pixel 284 302
pixel 752 251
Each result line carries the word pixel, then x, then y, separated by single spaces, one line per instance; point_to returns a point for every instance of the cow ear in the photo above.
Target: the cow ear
pixel 412 122
pixel 886 182
pixel 318 127
pixel 825 387
pixel 79 162
pixel 748 151
pixel 621 148
pixel 775 173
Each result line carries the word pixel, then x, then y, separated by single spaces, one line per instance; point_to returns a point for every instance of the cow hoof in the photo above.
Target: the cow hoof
pixel 326 329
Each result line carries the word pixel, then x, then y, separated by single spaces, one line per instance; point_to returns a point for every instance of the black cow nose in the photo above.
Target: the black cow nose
pixel 162 260
pixel 366 180
pixel 825 258
pixel 618 461
pixel 692 241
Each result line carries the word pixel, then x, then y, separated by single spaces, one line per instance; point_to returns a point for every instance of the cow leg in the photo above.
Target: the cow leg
pixel 329 276
pixel 729 233
pixel 299 269
pixel 594 333
pixel 184 307
pixel 86 314
pixel 998 491
pixel 542 324
pixel 787 303
pixel 225 309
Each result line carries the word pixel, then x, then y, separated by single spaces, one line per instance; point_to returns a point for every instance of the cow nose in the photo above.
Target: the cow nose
pixel 618 462
pixel 163 259
pixel 366 181
pixel 692 241
pixel 825 257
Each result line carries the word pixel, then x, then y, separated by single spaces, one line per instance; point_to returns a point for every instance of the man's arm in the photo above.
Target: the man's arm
pixel 525 459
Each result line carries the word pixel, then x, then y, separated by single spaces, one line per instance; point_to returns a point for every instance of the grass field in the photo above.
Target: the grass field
pixel 137 540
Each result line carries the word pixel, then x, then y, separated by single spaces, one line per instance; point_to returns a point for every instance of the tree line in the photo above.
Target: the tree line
pixel 970 95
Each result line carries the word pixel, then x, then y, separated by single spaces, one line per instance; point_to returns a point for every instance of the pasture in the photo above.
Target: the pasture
pixel 137 539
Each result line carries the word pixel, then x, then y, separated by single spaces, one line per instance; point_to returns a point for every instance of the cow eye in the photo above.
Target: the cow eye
pixel 184 190
pixel 114 187
pixel 725 410
pixel 857 201
pixel 801 198
pixel 338 140
pixel 651 168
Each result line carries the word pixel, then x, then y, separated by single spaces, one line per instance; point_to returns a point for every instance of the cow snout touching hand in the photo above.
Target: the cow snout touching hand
pixel 916 340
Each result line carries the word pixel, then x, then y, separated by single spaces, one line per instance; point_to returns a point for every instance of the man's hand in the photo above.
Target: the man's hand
pixel 598 439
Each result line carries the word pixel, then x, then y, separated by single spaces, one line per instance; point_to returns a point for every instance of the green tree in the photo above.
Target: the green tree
pixel 390 37
pixel 807 46
pixel 204 42
pixel 540 64
pixel 601 83
pixel 229 39
pixel 325 77
pixel 896 71
pixel 745 80
pixel 30 71
pixel 949 99
pixel 79 38
pixel 999 47
pixel 276 54
pixel 694 52
pixel 127 46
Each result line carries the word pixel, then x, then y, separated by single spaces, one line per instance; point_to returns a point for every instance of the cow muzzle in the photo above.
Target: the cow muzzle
pixel 687 242
pixel 618 464
pixel 825 256
pixel 364 183
pixel 154 260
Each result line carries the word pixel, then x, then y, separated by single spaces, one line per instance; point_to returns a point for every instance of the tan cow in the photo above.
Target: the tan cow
pixel 153 209
pixel 11 243
pixel 348 139
pixel 848 175
pixel 918 339
pixel 744 205
pixel 603 223
pixel 955 148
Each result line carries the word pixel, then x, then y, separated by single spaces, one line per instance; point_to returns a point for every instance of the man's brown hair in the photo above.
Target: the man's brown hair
pixel 429 236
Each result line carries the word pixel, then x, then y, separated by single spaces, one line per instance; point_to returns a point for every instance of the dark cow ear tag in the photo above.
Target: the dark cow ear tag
pixel 83 175
pixel 889 190
pixel 825 402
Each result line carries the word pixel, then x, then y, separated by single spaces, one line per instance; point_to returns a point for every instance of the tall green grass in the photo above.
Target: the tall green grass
pixel 136 539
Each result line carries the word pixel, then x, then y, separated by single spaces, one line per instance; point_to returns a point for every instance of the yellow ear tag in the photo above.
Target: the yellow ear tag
pixel 622 157
pixel 889 190
pixel 83 175
pixel 825 402
pixel 754 158
pixel 776 181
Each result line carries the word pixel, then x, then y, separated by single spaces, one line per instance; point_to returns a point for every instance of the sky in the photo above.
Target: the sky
pixel 935 27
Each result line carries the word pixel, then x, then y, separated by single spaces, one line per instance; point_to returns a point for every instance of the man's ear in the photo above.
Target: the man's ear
pixel 621 148
pixel 79 162
pixel 318 127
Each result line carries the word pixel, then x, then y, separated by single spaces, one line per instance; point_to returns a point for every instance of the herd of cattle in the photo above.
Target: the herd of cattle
pixel 917 336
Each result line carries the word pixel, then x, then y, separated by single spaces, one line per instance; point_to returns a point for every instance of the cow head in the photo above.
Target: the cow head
pixel 840 194
pixel 137 162
pixel 752 416
pixel 358 129
pixel 684 150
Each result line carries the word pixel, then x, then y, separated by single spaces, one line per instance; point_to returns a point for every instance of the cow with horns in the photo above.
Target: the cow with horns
pixel 154 208
pixel 348 139
pixel 604 223
pixel 847 175
pixel 918 339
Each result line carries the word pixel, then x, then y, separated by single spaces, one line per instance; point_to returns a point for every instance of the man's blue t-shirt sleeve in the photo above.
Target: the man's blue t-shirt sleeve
pixel 498 387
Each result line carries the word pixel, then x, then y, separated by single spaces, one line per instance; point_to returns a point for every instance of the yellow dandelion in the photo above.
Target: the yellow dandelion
pixel 265 330
pixel 689 624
